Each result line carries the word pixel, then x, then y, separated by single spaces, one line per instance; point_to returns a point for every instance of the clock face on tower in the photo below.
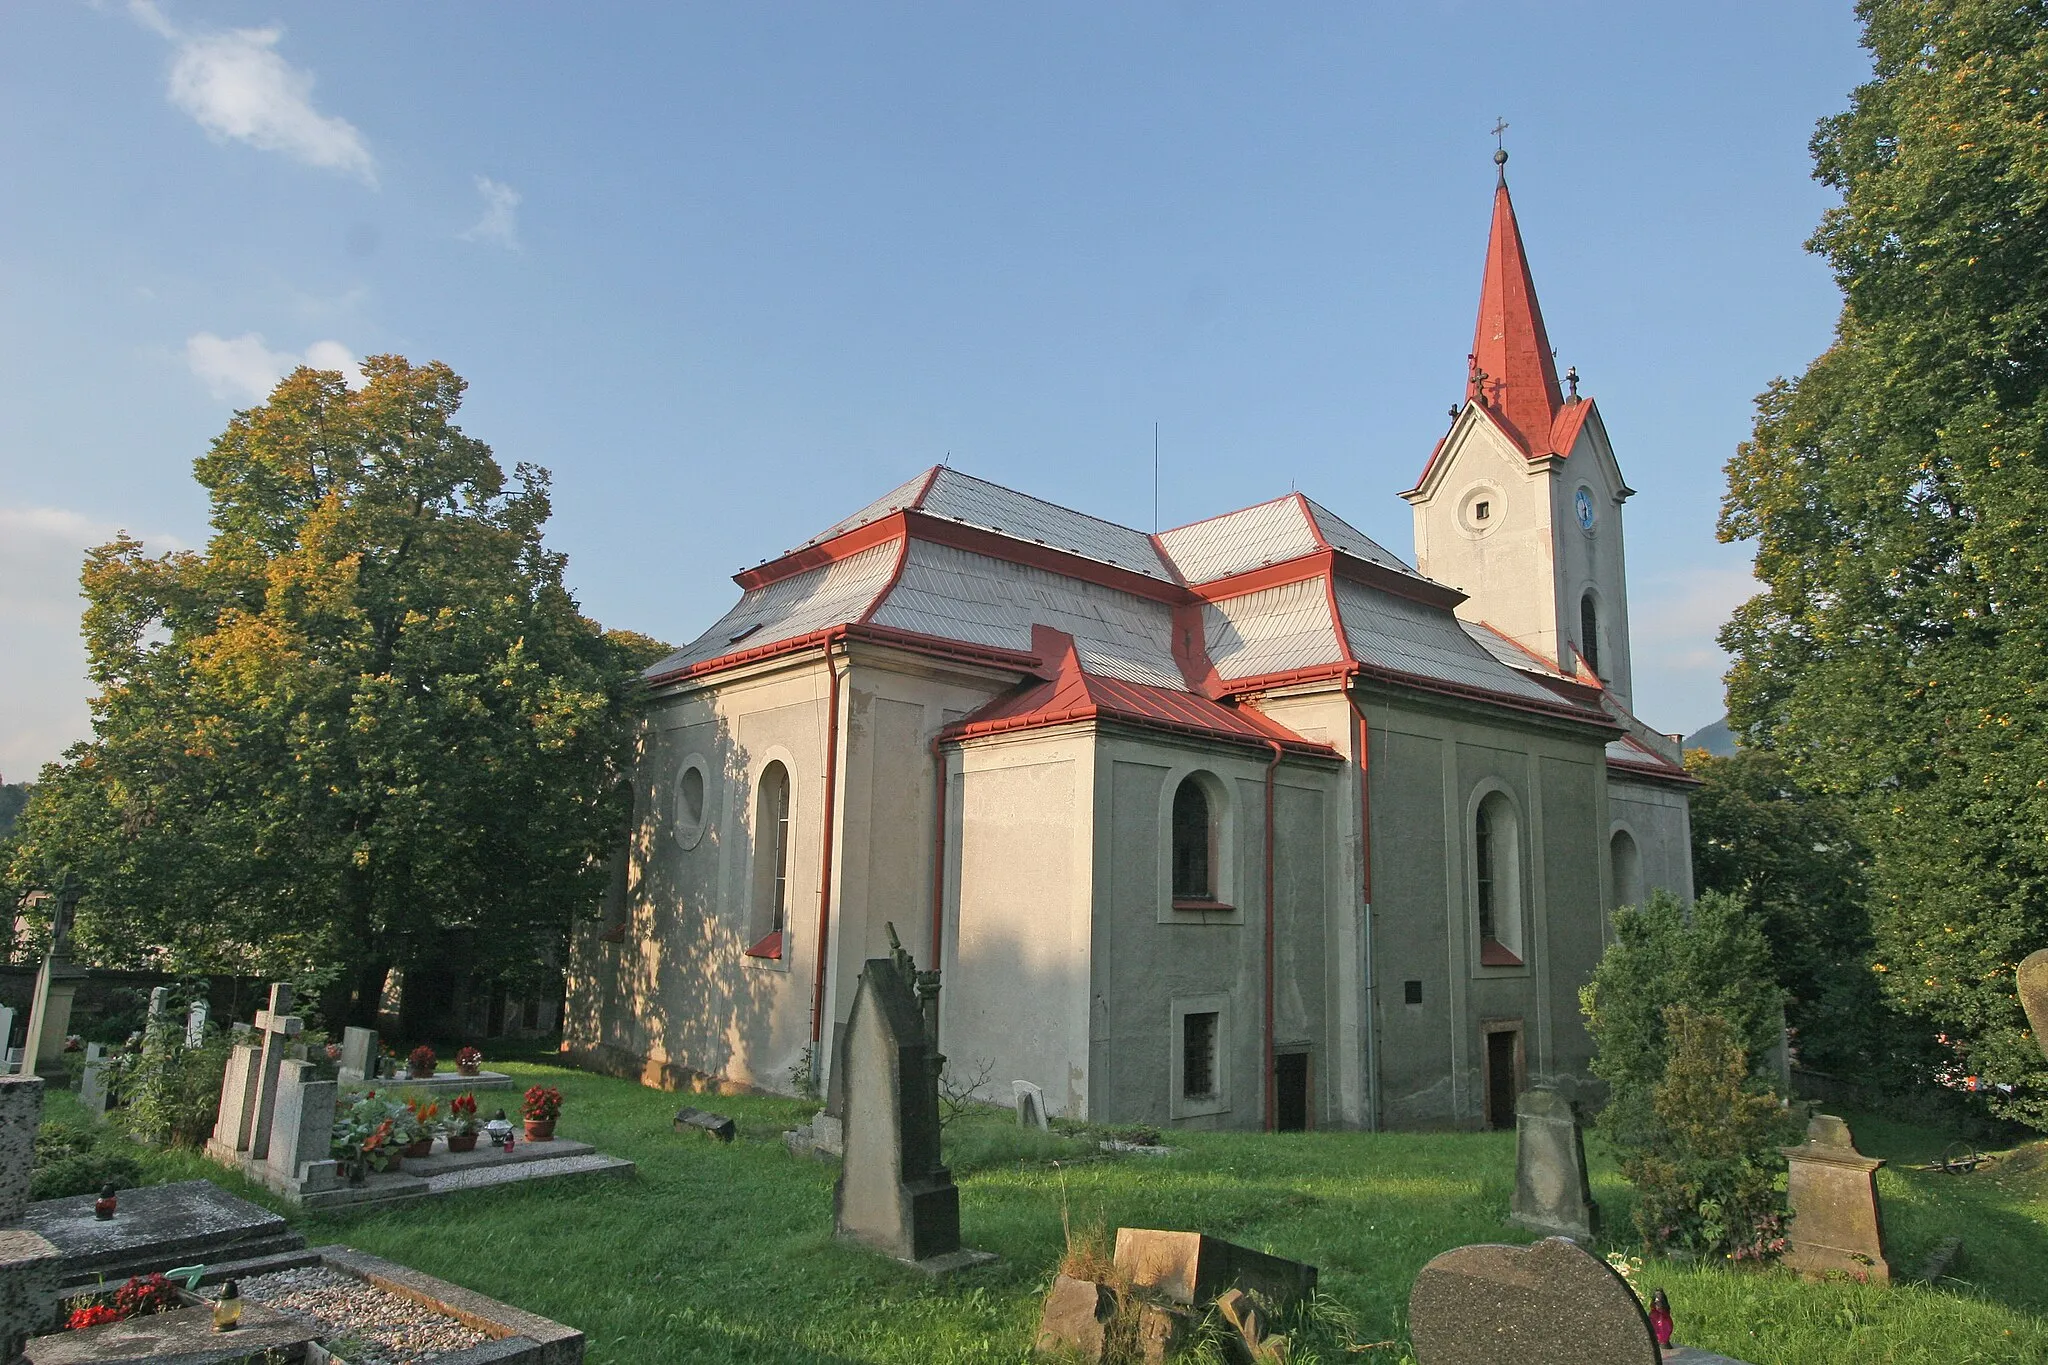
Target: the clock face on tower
pixel 1583 502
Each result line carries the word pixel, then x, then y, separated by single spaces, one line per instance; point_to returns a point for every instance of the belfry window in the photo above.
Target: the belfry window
pixel 1497 881
pixel 771 861
pixel 1589 633
pixel 1194 843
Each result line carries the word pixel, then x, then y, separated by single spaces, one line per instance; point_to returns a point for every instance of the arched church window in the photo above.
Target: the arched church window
pixel 1194 843
pixel 1497 880
pixel 771 861
pixel 1589 632
pixel 1626 867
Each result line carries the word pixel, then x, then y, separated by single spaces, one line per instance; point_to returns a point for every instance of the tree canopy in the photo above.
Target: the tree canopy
pixel 1895 493
pixel 367 727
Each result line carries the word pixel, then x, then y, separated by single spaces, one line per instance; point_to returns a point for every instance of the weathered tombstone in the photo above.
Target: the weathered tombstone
pixel 894 1194
pixel 693 1120
pixel 1030 1105
pixel 1552 1194
pixel 92 1086
pixel 49 1011
pixel 159 1002
pixel 7 1050
pixel 1193 1269
pixel 236 1122
pixel 2033 983
pixel 195 1023
pixel 278 1029
pixel 29 1265
pixel 1546 1304
pixel 358 1055
pixel 301 1134
pixel 1832 1189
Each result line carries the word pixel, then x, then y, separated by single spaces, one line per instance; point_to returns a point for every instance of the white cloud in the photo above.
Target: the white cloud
pixel 238 88
pixel 244 368
pixel 42 670
pixel 500 223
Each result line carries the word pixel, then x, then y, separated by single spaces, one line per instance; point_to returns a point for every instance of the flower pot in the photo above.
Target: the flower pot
pixel 473 1069
pixel 462 1142
pixel 392 1161
pixel 424 1147
pixel 540 1130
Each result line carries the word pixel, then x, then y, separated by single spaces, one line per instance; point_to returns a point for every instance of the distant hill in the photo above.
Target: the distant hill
pixel 1716 739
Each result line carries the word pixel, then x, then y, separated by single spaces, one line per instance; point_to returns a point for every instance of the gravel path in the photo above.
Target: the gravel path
pixel 385 1328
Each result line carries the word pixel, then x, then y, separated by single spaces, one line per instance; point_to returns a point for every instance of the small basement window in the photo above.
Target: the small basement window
pixel 1198 1056
pixel 1411 992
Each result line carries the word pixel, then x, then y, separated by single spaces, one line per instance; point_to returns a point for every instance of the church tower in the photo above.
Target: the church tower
pixel 1519 506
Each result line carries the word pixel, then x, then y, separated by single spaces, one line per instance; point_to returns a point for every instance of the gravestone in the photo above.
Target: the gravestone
pixel 894 1194
pixel 693 1120
pixel 1552 1194
pixel 29 1265
pixel 49 1011
pixel 1030 1105
pixel 159 1002
pixel 92 1085
pixel 195 1023
pixel 359 1055
pixel 278 1029
pixel 1192 1269
pixel 1832 1189
pixel 2033 983
pixel 235 1125
pixel 1546 1304
pixel 8 1056
pixel 302 1132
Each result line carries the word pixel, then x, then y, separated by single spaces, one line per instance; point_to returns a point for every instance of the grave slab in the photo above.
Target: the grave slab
pixel 1552 1193
pixel 1832 1190
pixel 1547 1304
pixel 441 1082
pixel 693 1120
pixel 1193 1269
pixel 156 1227
pixel 183 1336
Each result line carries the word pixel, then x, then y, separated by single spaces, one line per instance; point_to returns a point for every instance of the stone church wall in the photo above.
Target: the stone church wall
pixel 1658 820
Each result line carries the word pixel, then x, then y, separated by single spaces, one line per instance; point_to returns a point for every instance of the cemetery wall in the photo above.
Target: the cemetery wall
pixel 1429 771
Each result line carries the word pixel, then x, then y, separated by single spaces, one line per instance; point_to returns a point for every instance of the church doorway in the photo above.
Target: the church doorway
pixel 1503 1071
pixel 1290 1091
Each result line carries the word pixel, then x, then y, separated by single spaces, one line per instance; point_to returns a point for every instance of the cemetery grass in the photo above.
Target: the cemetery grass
pixel 717 1253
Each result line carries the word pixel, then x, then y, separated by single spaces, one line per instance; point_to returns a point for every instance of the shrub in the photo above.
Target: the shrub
pixel 170 1093
pixel 1706 1179
pixel 78 1161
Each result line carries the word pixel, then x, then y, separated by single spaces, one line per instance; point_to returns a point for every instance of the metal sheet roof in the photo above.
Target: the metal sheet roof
pixel 831 595
pixel 895 500
pixel 1507 651
pixel 992 507
pixel 959 595
pixel 1251 538
pixel 1276 630
pixel 1398 633
pixel 1354 542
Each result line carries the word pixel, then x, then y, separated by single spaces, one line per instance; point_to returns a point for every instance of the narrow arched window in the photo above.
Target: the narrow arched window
pixel 1626 869
pixel 771 861
pixel 1497 881
pixel 1194 862
pixel 1589 632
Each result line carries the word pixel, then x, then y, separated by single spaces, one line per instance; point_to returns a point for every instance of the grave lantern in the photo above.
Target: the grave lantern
pixel 103 1207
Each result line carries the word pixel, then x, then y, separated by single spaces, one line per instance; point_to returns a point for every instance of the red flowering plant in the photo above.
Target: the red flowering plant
pixel 542 1102
pixel 145 1294
pixel 461 1115
pixel 420 1061
pixel 469 1058
pixel 91 1315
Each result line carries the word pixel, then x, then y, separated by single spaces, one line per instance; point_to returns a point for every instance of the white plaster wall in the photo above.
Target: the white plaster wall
pixel 1597 560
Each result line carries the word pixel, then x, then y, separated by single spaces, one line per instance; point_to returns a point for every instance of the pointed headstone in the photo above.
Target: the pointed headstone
pixel 1552 1193
pixel 1832 1190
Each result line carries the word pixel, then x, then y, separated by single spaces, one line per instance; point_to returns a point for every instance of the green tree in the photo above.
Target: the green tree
pixel 366 726
pixel 1793 859
pixel 1895 493
pixel 13 796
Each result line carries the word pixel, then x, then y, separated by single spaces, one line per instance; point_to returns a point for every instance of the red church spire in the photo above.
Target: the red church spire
pixel 1512 370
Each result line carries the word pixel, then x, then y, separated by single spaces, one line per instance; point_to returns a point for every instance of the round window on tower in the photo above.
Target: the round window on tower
pixel 1481 510
pixel 1582 508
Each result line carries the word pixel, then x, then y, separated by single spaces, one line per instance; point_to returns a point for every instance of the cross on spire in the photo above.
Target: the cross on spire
pixel 1500 148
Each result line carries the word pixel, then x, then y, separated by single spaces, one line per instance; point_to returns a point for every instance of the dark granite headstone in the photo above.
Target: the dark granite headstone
pixel 894 1194
pixel 1193 1269
pixel 692 1120
pixel 2033 981
pixel 1832 1189
pixel 1546 1304
pixel 1552 1193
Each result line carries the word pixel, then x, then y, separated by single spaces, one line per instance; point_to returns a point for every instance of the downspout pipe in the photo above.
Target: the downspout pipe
pixel 1363 750
pixel 938 855
pixel 835 636
pixel 1272 1082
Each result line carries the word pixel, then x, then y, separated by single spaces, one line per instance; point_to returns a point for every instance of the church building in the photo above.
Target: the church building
pixel 1246 824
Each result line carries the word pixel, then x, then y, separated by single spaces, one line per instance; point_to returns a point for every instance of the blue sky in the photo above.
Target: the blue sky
pixel 730 271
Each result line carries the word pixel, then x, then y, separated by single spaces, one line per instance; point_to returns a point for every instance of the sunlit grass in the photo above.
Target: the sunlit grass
pixel 718 1253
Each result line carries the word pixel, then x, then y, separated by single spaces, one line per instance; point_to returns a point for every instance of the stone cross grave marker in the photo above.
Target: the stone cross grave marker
pixel 1832 1189
pixel 1030 1105
pixel 278 1028
pixel 894 1193
pixel 1552 1194
pixel 2033 982
pixel 195 1023
pixel 1547 1304
pixel 358 1055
